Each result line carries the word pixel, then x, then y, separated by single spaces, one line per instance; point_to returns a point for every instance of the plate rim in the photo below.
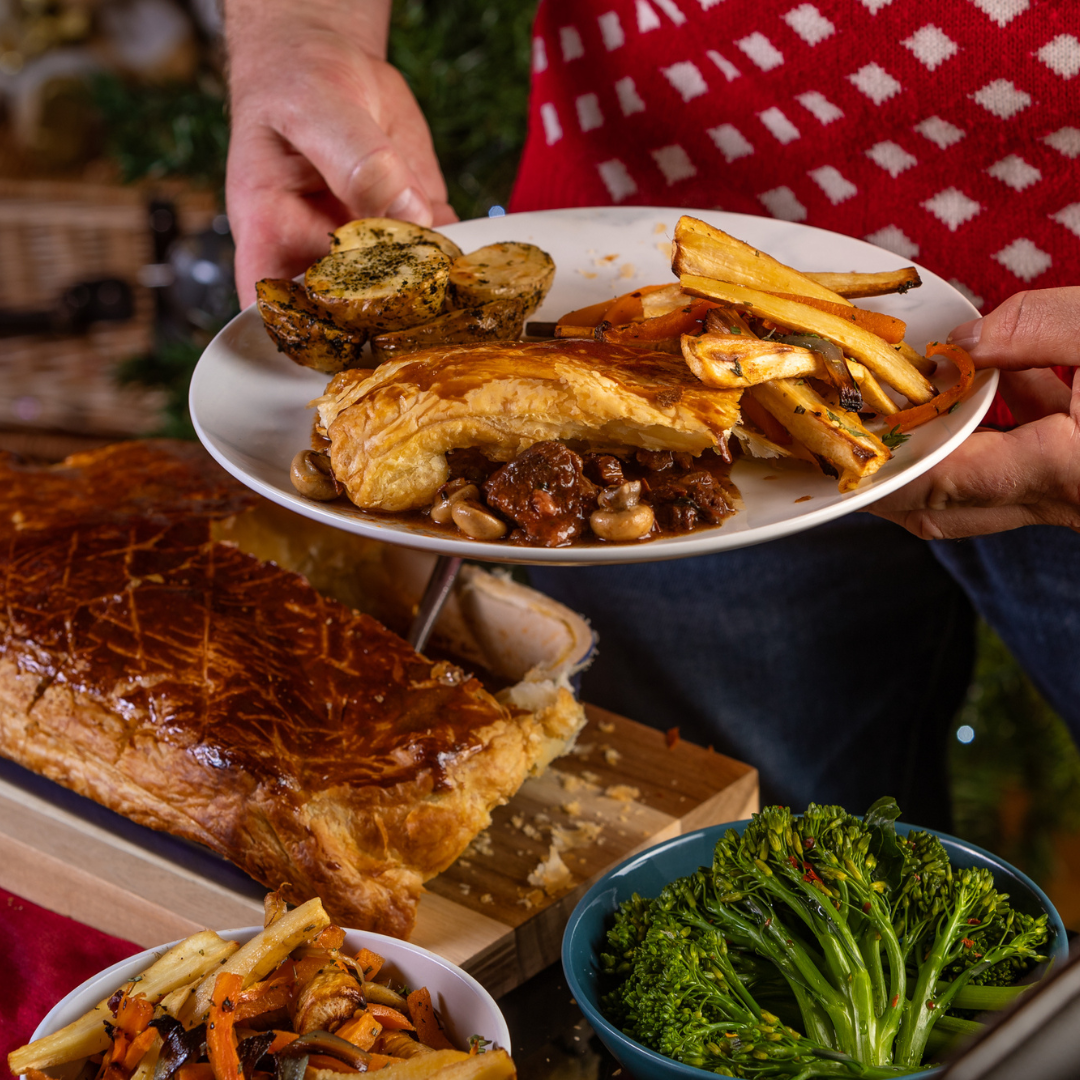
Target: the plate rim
pixel 702 542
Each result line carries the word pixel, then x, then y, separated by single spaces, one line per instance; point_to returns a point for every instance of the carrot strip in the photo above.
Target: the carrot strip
pixel 281 1040
pixel 389 1017
pixel 770 427
pixel 371 962
pixel 362 1030
pixel 586 316
pixel 684 320
pixel 628 307
pixel 137 1050
pixel 885 326
pixel 270 999
pixel 134 1014
pixel 333 937
pixel 220 1024
pixel 920 414
pixel 194 1071
pixel 422 1013
pixel 380 1061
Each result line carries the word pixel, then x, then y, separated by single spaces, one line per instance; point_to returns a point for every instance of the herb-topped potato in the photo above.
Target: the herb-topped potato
pixel 367 232
pixel 510 271
pixel 303 330
pixel 382 286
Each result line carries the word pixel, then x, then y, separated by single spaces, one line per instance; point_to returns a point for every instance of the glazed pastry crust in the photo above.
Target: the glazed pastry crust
pixel 390 430
pixel 199 690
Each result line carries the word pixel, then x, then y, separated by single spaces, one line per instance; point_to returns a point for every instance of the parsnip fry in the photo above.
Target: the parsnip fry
pixel 701 250
pixel 729 361
pixel 874 397
pixel 853 286
pixel 835 435
pixel 926 364
pixel 494 1065
pixel 885 326
pixel 424 1066
pixel 883 360
pixel 261 954
pixel 194 957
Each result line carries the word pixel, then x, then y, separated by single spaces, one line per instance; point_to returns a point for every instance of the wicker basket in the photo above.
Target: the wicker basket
pixel 54 234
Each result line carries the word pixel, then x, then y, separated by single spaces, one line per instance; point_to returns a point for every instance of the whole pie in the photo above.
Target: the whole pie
pixel 197 689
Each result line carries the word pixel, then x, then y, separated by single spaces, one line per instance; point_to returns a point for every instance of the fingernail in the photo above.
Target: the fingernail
pixel 410 205
pixel 966 335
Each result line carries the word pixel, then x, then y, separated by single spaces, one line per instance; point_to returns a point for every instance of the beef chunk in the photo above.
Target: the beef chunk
pixel 682 500
pixel 604 470
pixel 545 490
pixel 662 460
pixel 469 464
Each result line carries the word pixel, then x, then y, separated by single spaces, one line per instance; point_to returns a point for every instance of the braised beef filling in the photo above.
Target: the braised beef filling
pixel 550 495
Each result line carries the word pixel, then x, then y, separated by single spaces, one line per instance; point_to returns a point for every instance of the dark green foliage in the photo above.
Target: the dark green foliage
pixel 168 368
pixel 157 131
pixel 467 62
pixel 1022 754
pixel 842 926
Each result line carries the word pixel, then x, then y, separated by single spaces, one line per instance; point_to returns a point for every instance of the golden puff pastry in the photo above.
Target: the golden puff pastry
pixel 390 429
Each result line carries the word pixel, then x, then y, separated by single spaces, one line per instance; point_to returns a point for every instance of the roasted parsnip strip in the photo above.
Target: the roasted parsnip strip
pixel 196 956
pixel 883 360
pixel 256 959
pixel 853 285
pixel 494 1065
pixel 926 364
pixel 873 395
pixel 424 1066
pixel 731 361
pixel 835 435
pixel 885 326
pixel 700 250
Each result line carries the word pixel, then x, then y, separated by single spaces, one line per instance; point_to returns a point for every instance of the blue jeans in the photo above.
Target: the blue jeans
pixel 834 661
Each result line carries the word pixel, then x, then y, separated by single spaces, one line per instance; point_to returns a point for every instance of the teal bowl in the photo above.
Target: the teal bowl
pixel 647 873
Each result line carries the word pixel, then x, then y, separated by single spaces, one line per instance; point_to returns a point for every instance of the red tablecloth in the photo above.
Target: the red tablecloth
pixel 44 956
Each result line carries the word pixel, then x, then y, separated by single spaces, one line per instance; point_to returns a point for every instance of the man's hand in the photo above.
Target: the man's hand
pixel 1028 476
pixel 323 131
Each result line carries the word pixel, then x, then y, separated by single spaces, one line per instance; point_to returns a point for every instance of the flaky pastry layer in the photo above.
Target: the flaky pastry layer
pixel 390 429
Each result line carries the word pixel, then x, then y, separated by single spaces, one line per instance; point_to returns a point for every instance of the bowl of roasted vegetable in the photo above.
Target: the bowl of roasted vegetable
pixel 813 944
pixel 297 999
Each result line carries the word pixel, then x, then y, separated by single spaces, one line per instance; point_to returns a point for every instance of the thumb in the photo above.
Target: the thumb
pixel 361 166
pixel 1031 329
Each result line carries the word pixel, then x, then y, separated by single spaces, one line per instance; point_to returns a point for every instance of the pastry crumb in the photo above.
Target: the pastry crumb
pixel 552 875
pixel 622 792
pixel 606 726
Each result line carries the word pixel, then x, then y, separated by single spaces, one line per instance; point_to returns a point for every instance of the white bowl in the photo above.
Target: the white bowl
pixel 464 1006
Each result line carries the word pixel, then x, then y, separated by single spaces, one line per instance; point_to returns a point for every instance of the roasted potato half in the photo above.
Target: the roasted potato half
pixel 303 330
pixel 501 320
pixel 509 271
pixel 385 286
pixel 366 232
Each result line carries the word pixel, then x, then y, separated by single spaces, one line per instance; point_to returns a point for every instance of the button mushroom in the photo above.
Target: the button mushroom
pixel 447 495
pixel 476 522
pixel 312 476
pixel 621 515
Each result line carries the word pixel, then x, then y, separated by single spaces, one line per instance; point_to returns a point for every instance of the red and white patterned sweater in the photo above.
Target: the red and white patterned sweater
pixel 947 133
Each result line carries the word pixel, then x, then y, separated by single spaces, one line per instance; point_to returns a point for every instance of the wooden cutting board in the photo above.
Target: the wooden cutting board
pixel 497 911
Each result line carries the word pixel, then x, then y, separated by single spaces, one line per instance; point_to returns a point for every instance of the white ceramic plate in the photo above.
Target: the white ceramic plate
pixel 464 1006
pixel 248 400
